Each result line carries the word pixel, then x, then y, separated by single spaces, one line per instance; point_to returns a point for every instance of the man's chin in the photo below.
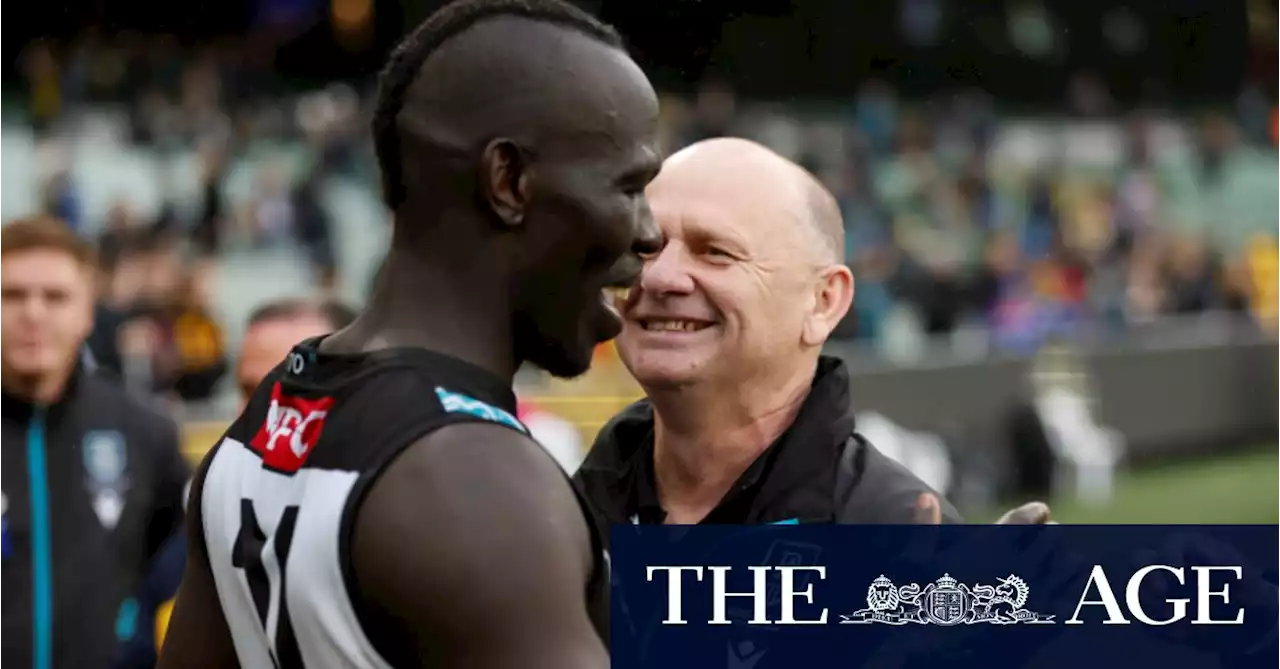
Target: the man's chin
pixel 655 376
pixel 565 365
pixel 34 367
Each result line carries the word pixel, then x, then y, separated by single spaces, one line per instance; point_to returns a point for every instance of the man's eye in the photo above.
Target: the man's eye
pixel 719 253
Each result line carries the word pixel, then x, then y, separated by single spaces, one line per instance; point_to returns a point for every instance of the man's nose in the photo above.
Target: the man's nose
pixel 648 238
pixel 666 272
pixel 33 308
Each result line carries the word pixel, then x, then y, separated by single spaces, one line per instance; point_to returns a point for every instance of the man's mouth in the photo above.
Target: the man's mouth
pixel 614 297
pixel 672 325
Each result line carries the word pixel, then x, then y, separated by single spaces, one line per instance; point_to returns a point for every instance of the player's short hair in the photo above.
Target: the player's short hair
pixel 43 233
pixel 408 57
pixel 337 314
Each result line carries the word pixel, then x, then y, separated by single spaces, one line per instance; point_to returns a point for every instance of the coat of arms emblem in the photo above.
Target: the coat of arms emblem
pixel 947 602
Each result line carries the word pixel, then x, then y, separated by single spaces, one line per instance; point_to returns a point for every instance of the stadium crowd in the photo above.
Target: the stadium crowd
pixel 950 230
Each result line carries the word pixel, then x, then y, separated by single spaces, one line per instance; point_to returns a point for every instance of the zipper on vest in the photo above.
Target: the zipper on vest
pixel 41 542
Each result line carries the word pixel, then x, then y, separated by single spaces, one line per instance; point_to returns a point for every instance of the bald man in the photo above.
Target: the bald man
pixel 745 420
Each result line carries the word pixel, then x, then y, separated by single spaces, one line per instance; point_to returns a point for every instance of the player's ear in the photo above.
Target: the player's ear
pixel 505 181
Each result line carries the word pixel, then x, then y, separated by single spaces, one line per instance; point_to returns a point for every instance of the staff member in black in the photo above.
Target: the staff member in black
pixel 92 480
pixel 745 421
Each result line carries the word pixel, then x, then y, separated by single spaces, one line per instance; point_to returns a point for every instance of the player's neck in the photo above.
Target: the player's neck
pixel 705 437
pixel 436 307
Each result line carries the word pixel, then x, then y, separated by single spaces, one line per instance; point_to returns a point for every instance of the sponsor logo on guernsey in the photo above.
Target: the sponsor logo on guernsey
pixel 459 403
pixel 291 429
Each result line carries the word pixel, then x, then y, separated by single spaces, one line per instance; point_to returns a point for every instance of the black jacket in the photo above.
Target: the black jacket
pixel 92 488
pixel 819 471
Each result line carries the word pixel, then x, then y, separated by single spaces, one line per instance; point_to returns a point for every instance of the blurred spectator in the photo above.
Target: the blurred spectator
pixel 1259 276
pixel 122 275
pixel 62 200
pixel 170 343
pixel 44 85
pixel 976 199
pixel 873 301
pixel 211 220
pixel 1144 293
pixel 92 479
pixel 714 111
pixel 1043 221
pixel 275 327
pixel 1218 142
pixel 1138 190
pixel 269 218
pixel 1192 282
pixel 314 230
pixel 116 233
pixel 866 222
pixel 1002 259
pixel 876 116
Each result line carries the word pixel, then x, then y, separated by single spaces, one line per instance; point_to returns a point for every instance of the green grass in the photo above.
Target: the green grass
pixel 1239 488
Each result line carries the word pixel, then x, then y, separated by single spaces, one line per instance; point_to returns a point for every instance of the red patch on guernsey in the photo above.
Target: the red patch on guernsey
pixel 292 428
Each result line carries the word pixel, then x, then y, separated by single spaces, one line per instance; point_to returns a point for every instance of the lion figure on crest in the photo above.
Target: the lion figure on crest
pixel 882 596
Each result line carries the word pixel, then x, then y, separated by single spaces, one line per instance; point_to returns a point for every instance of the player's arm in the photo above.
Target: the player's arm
pixel 197 636
pixel 474 541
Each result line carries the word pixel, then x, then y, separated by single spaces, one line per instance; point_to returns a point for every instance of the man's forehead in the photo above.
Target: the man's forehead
pixel 719 208
pixel 277 336
pixel 41 266
pixel 738 184
pixel 680 217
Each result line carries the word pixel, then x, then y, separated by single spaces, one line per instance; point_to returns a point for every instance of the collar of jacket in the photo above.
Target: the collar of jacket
pixel 18 408
pixel 793 480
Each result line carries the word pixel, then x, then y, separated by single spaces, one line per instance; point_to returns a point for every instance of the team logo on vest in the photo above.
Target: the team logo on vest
pixel 105 463
pixel 947 602
pixel 5 548
pixel 292 428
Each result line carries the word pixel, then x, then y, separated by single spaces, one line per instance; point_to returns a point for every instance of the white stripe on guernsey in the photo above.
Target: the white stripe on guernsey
pixel 324 621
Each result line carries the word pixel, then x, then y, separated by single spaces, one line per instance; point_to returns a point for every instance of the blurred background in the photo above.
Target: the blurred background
pixel 1061 214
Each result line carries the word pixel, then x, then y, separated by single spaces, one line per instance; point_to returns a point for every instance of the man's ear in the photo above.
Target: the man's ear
pixel 833 295
pixel 504 181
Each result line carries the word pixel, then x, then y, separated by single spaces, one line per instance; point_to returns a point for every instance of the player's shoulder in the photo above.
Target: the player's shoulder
pixel 489 452
pixel 462 482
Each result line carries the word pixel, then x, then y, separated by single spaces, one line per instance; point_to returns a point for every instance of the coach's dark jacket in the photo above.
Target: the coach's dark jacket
pixel 69 560
pixel 819 471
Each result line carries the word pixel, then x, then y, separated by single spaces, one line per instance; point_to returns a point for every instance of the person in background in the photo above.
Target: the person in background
pixel 44 85
pixel 62 200
pixel 272 330
pixel 171 344
pixel 121 274
pixel 92 479
pixel 314 230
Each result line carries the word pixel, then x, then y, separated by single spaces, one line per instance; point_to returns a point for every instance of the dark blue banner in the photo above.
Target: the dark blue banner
pixel 1075 597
